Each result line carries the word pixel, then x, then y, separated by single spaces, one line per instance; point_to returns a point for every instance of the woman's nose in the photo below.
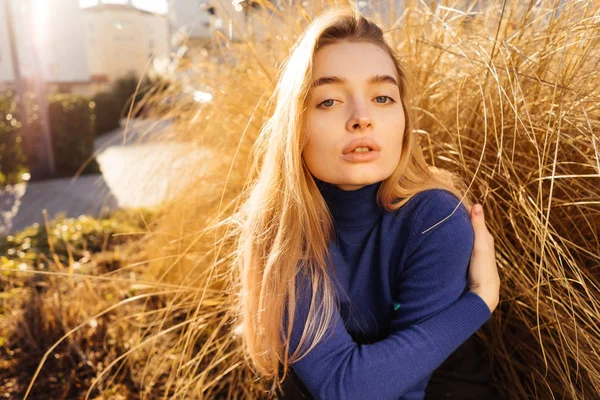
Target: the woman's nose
pixel 360 119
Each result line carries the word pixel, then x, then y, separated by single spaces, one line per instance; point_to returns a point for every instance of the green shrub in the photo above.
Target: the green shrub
pixel 72 119
pixel 114 104
pixel 108 112
pixel 78 236
pixel 12 158
pixel 124 89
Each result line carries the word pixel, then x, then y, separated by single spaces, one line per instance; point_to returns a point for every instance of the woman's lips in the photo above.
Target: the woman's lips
pixel 361 157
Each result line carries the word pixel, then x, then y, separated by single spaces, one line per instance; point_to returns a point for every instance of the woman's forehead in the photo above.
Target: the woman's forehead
pixel 340 60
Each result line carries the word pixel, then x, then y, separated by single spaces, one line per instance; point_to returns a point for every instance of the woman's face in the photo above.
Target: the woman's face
pixel 344 105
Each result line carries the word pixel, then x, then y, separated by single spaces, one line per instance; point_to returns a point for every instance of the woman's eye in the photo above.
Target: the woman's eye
pixel 384 97
pixel 328 101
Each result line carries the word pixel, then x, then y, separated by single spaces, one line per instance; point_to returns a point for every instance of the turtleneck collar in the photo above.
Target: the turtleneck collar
pixel 352 208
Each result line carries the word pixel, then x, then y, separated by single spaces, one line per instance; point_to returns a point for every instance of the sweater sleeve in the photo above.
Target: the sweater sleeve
pixel 339 368
pixel 434 272
pixel 425 286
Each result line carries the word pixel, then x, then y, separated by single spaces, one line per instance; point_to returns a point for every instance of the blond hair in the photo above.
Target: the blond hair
pixel 286 224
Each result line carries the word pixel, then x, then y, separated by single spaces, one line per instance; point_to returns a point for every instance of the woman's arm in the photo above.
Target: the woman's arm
pixel 424 286
pixel 338 368
pixel 433 272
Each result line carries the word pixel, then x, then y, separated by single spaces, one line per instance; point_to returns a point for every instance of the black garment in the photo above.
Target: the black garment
pixel 293 388
pixel 465 375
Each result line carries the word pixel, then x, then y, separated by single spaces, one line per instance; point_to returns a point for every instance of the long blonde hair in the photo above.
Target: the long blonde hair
pixel 286 224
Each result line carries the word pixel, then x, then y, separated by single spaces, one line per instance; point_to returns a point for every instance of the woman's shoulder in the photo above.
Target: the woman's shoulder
pixel 433 205
pixel 436 198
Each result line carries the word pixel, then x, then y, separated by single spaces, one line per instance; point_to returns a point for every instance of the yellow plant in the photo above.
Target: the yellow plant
pixel 507 97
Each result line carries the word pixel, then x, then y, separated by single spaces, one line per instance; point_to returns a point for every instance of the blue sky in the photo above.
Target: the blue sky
pixel 158 6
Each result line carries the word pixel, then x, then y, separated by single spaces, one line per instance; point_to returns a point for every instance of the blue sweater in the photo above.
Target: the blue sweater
pixel 408 306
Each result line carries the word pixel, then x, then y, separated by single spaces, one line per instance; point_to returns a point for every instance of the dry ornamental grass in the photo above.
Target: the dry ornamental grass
pixel 508 97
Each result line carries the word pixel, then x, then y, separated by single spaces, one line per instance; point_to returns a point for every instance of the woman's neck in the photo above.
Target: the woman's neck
pixel 351 208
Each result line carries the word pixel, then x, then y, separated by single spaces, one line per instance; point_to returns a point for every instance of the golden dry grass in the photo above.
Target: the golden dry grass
pixel 508 97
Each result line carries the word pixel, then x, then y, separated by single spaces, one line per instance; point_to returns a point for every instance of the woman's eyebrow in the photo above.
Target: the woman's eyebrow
pixel 334 80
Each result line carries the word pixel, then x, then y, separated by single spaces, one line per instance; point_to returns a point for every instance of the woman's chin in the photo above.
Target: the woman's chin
pixel 355 184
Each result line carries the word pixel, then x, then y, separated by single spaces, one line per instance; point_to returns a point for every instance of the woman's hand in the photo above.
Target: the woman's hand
pixel 483 273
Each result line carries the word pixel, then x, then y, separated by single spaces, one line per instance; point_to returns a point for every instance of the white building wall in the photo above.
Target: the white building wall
pixel 21 13
pixel 115 43
pixel 121 39
pixel 6 68
pixel 157 33
pixel 62 43
pixel 78 46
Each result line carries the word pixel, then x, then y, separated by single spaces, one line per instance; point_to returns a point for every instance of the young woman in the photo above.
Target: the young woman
pixel 354 253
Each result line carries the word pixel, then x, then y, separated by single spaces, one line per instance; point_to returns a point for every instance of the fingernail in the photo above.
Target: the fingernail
pixel 478 209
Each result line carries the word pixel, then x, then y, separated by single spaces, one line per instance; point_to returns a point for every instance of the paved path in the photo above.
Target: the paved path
pixel 139 172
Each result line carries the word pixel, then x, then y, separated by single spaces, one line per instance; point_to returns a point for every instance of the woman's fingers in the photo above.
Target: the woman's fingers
pixel 479 226
pixel 483 273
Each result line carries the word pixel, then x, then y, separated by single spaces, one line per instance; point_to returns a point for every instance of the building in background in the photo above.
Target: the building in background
pixel 6 69
pixel 121 39
pixel 84 50
pixel 48 44
pixel 80 50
